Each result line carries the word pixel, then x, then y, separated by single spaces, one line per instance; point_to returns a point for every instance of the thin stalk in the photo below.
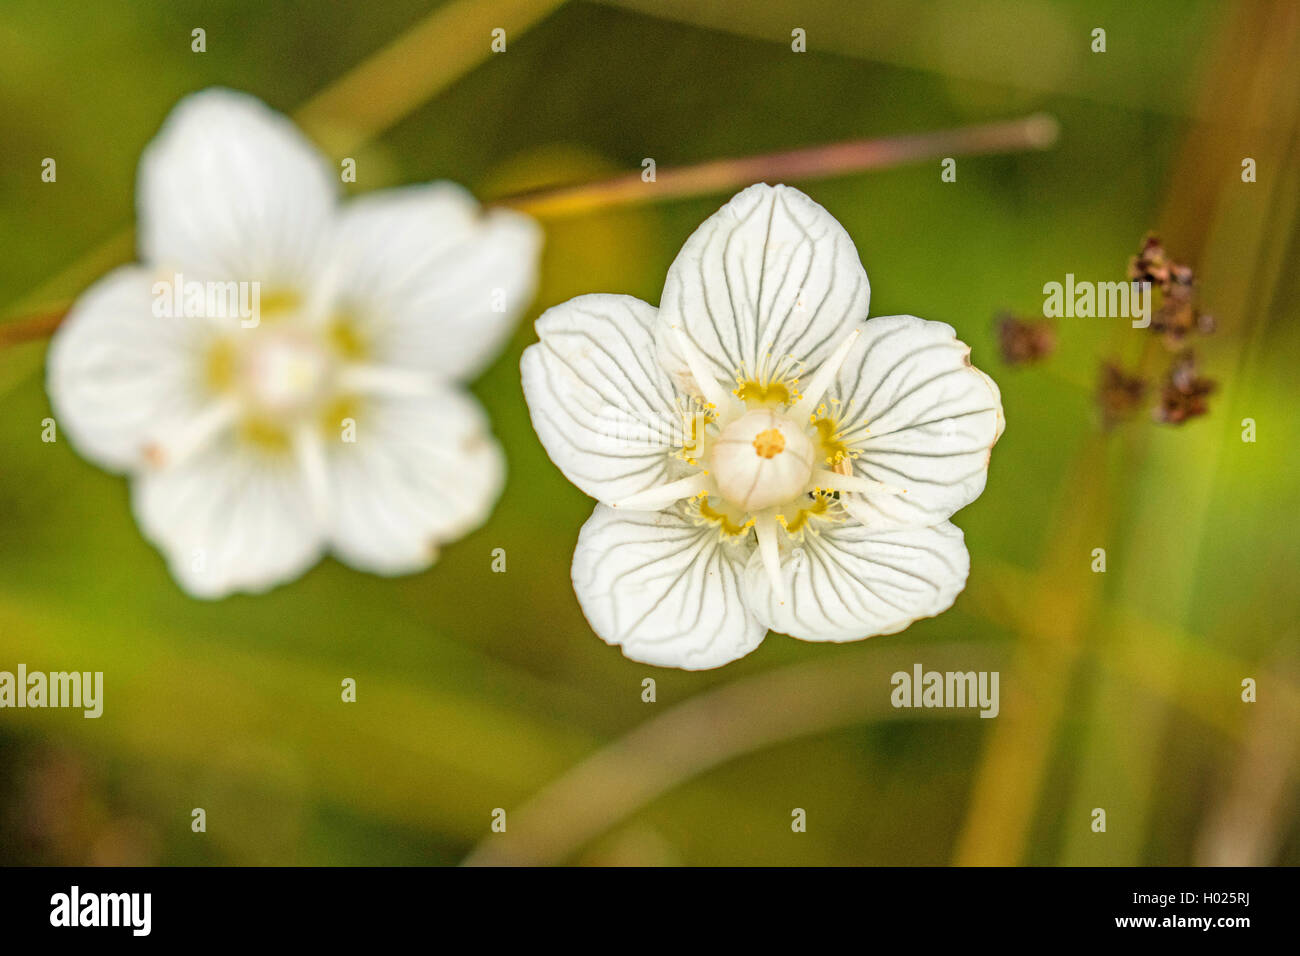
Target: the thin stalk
pixel 1037 131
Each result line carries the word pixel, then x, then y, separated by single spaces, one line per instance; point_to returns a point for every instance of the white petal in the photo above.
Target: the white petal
pixel 667 591
pixel 229 518
pixel 230 189
pixel 602 406
pixel 771 274
pixel 121 379
pixel 920 417
pixel 423 470
pixel 848 582
pixel 431 280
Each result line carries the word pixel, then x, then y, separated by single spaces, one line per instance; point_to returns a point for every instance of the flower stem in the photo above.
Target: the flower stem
pixel 30 328
pixel 417 65
pixel 1038 131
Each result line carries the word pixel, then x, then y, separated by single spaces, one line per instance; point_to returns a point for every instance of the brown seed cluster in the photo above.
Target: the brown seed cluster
pixel 1183 391
pixel 1119 394
pixel 1178 315
pixel 1025 341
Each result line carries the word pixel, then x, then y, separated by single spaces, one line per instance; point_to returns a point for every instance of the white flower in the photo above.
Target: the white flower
pixel 764 458
pixel 333 419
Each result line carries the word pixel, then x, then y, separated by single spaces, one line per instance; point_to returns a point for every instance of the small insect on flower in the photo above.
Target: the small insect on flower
pixel 764 457
pixel 280 373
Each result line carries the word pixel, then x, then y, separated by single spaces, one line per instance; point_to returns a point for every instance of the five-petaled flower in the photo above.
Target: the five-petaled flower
pixel 335 419
pixel 764 458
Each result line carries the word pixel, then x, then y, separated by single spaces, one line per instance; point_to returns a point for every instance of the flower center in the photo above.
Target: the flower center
pixel 770 443
pixel 761 459
pixel 284 373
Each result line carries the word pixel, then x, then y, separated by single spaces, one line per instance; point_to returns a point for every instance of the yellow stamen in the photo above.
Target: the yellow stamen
pixel 345 338
pixel 725 522
pixel 219 369
pixel 333 415
pixel 828 438
pixel 266 435
pixel 818 509
pixel 754 393
pixel 278 303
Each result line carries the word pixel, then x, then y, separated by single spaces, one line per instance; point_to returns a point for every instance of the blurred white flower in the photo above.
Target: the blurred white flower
pixel 329 415
pixel 764 458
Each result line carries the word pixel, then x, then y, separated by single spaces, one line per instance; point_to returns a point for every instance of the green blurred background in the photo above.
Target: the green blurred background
pixel 478 690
